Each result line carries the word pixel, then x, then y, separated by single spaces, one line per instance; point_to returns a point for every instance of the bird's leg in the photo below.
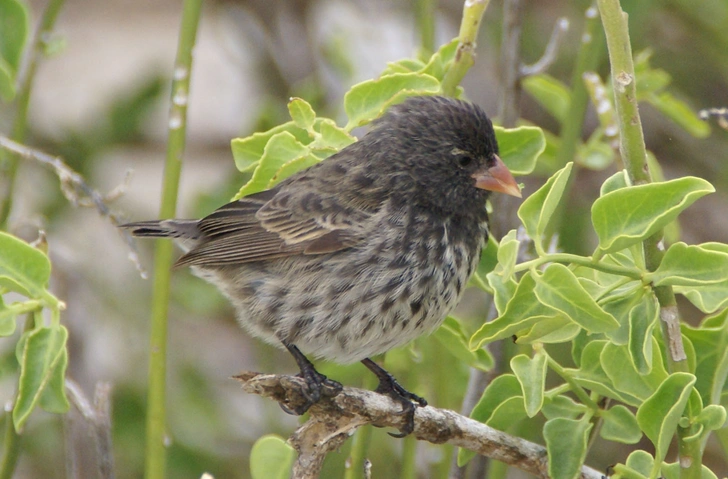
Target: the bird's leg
pixel 389 386
pixel 315 382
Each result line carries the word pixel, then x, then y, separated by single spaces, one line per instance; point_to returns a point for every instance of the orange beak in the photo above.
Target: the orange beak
pixel 497 178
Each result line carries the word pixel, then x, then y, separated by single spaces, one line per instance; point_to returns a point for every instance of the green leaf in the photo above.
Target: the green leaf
pixel 618 365
pixel 685 265
pixel 563 406
pixel 675 471
pixel 503 288
pixel 618 180
pixel 559 289
pixel 531 374
pixel 591 375
pixel 406 65
pixel 40 352
pixel 550 93
pixel 23 269
pixel 704 287
pixel 522 311
pixel 14 27
pixel 271 458
pixel 291 167
pixel 301 113
pixel 712 417
pixel 53 398
pixel 333 138
pixel 248 151
pixel 642 320
pixel 519 148
pixel 505 414
pixel 650 80
pixel 710 341
pixel 619 304
pixel 282 148
pixel 641 462
pixel 507 253
pixel 452 336
pixel 566 442
pixel 658 416
pixel 500 406
pixel 537 209
pixel 439 62
pixel 548 162
pixel 595 155
pixel 558 329
pixel 368 100
pixel 629 215
pixel 679 112
pixel 7 81
pixel 620 425
pixel 488 261
pixel 7 319
pixel 502 388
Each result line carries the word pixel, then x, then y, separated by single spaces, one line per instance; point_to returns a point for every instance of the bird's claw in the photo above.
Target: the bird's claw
pixel 394 390
pixel 317 386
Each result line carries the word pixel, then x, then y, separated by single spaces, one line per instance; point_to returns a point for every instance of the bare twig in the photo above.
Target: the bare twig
pixel 77 191
pixel 720 114
pixel 510 63
pixel 334 419
pixel 94 422
pixel 549 54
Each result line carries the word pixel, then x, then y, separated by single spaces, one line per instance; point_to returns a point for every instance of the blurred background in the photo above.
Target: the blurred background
pixel 101 101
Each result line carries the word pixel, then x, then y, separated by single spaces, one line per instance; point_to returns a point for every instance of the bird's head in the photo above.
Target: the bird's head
pixel 445 152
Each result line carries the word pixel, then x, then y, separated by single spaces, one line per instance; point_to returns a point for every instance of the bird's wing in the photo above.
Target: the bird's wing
pixel 273 224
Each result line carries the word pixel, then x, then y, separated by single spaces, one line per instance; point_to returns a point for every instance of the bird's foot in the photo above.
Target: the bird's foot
pixel 317 385
pixel 389 386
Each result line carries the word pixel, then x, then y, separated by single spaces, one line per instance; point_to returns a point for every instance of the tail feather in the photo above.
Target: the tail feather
pixel 183 229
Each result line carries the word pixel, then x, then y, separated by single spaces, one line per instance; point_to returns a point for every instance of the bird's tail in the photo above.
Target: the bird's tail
pixel 182 229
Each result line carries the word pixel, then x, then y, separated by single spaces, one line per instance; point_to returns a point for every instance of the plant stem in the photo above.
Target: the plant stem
pixel 586 261
pixel 634 156
pixel 361 441
pixel 592 46
pixel 575 388
pixel 155 463
pixel 510 61
pixel 12 438
pixel 425 16
pixel 473 11
pixel 632 142
pixel 9 162
pixel 409 458
pixel 12 449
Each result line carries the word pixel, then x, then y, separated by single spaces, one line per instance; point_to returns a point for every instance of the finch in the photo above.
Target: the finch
pixel 363 252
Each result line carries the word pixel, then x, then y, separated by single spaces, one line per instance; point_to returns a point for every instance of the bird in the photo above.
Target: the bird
pixel 362 252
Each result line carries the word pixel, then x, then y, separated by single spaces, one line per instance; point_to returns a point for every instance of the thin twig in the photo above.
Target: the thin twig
pixel 720 114
pixel 77 191
pixel 549 54
pixel 333 419
pixel 95 423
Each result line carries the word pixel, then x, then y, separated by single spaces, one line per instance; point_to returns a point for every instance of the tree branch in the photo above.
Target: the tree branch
pixel 333 419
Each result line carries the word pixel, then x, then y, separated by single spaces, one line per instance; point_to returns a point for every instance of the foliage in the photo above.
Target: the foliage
pixel 41 349
pixel 601 308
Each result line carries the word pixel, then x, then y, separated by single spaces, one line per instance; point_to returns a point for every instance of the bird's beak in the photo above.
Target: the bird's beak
pixel 497 178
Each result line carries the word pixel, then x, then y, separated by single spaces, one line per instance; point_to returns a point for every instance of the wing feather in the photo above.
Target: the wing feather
pixel 273 224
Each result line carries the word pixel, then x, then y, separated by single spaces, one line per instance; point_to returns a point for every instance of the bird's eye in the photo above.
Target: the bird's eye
pixel 465 160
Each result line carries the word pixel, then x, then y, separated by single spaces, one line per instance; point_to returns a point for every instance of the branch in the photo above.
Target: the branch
pixel 549 53
pixel 334 419
pixel 77 191
pixel 473 11
pixel 92 422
